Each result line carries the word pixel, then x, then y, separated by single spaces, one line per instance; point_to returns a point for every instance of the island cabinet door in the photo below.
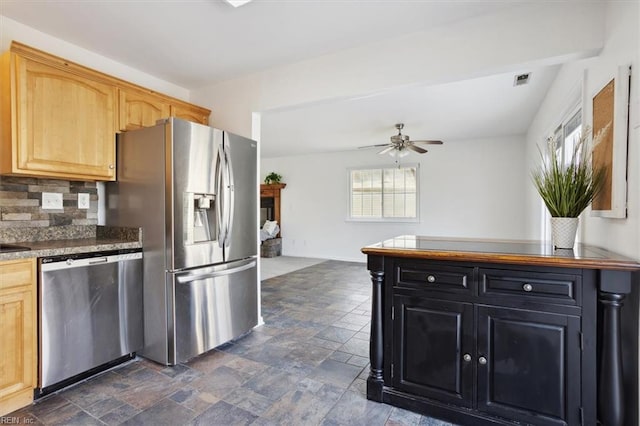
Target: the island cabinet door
pixel 433 349
pixel 529 366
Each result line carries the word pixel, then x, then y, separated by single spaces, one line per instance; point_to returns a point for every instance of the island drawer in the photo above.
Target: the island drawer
pixel 427 276
pixel 541 286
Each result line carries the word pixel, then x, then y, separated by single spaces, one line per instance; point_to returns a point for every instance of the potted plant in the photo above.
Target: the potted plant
pixel 272 178
pixel 568 187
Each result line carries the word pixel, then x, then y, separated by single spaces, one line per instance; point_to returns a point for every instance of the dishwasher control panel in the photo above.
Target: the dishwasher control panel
pixel 88 259
pixel 116 255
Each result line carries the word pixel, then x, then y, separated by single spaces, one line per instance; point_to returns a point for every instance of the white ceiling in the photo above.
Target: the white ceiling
pixel 469 109
pixel 197 43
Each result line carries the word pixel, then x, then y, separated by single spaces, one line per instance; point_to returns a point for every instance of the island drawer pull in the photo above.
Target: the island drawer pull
pixel 527 287
pixel 431 278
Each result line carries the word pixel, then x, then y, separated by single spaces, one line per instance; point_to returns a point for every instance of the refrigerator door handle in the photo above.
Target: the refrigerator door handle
pixel 195 277
pixel 221 224
pixel 230 200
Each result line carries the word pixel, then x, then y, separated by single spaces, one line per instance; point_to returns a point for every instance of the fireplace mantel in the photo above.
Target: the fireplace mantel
pixel 272 192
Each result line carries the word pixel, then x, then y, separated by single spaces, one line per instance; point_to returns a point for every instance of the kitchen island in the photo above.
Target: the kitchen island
pixel 504 332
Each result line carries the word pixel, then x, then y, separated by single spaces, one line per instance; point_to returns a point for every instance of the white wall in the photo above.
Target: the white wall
pixel 12 30
pixel 467 189
pixel 622 45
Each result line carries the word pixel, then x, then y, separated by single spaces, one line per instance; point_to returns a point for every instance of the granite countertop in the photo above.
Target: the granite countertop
pixel 102 239
pixel 58 247
pixel 503 251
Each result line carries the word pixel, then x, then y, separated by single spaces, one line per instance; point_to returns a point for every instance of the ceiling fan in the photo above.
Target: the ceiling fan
pixel 401 144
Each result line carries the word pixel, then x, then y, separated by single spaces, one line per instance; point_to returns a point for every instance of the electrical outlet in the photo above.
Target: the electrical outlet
pixel 52 201
pixel 83 200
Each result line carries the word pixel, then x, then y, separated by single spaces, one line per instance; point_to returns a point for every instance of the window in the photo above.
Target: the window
pixel 384 193
pixel 567 135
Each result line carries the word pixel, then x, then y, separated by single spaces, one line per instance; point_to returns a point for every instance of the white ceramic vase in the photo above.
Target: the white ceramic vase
pixel 563 231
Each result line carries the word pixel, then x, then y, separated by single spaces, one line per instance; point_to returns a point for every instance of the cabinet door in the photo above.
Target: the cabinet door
pixel 431 339
pixel 65 123
pixel 139 109
pixel 532 368
pixel 190 113
pixel 17 334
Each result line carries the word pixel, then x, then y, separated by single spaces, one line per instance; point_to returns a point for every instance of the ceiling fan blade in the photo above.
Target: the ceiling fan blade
pixel 373 146
pixel 429 142
pixel 387 149
pixel 416 149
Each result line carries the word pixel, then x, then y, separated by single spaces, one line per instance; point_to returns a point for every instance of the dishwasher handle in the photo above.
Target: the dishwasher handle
pixel 184 279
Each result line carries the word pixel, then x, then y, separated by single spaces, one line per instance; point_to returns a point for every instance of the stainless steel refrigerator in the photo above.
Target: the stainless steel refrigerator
pixel 193 189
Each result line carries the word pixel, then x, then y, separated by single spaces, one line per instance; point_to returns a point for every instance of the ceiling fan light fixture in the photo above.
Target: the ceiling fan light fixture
pixel 237 3
pixel 398 153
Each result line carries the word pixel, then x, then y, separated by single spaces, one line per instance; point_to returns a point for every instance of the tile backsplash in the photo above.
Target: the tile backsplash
pixel 21 203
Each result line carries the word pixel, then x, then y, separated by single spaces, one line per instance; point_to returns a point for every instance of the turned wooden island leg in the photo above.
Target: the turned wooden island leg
pixel 375 380
pixel 614 286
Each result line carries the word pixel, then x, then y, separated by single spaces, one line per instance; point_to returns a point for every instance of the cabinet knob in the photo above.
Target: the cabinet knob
pixel 482 360
pixel 431 278
pixel 467 357
pixel 527 287
pixel 111 166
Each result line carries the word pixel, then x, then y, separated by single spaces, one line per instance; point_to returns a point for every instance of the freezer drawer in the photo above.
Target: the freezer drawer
pixel 90 312
pixel 212 306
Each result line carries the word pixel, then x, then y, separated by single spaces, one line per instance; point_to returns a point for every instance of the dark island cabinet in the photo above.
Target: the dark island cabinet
pixel 431 337
pixel 528 366
pixel 487 332
pixel 509 363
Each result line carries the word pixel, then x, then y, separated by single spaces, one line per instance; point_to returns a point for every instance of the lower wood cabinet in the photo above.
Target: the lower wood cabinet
pixel 18 334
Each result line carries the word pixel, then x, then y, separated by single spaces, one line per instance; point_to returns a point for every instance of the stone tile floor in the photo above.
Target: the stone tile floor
pixel 307 365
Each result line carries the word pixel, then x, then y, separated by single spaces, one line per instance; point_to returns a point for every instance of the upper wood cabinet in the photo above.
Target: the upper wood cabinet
pixel 56 123
pixel 139 109
pixel 191 113
pixel 59 119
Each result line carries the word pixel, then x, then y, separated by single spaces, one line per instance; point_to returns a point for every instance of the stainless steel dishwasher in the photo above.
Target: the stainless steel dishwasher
pixel 90 308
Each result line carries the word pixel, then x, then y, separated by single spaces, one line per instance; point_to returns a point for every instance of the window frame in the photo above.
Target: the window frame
pixel 560 131
pixel 383 219
pixel 569 113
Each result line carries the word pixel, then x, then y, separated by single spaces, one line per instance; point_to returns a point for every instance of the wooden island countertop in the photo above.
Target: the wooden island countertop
pixel 503 251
